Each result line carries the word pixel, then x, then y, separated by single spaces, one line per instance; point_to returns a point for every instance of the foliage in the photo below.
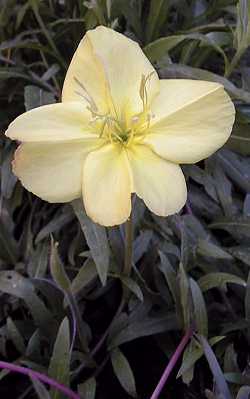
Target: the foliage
pixel 191 268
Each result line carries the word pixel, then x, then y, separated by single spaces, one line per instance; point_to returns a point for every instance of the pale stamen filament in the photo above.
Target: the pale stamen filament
pixel 114 129
pixel 86 94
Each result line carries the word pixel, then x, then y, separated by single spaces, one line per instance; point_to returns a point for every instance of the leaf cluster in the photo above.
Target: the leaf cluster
pixel 57 267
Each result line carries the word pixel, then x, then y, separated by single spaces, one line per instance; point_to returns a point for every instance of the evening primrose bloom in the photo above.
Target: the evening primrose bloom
pixel 119 130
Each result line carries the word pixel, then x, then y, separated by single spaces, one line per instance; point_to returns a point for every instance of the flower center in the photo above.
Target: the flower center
pixel 123 129
pixel 123 132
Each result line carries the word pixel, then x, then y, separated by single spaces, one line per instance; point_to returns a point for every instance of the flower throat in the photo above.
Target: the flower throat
pixel 111 127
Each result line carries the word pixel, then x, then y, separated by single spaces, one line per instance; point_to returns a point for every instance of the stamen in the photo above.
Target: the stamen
pixel 87 96
pixel 143 89
pixel 131 136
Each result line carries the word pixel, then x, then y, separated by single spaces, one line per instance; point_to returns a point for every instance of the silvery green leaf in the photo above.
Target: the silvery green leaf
pixel 57 269
pixel 35 97
pixel 96 238
pixel 218 280
pixel 87 389
pixel 59 367
pixel 40 389
pixel 123 372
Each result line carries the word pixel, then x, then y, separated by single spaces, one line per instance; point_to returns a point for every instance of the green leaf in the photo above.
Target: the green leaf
pixel 15 336
pixel 8 245
pixel 219 378
pixel 59 367
pixel 170 276
pixel 239 140
pixel 132 286
pixel 237 226
pixel 21 13
pixel 146 327
pixel 237 169
pixel 160 47
pixel 200 311
pixel 241 252
pixel 38 261
pixel 86 274
pixel 87 390
pixel 40 389
pixel 185 245
pixel 96 238
pixel 8 179
pixel 123 372
pixel 57 223
pixel 15 284
pixel 244 393
pixel 224 189
pixel 247 303
pixel 186 297
pixel 35 97
pixel 57 269
pixel 193 353
pixel 141 244
pixel 215 280
pixel 157 16
pixel 187 72
pixel 237 378
pixel 242 31
pixel 190 356
pixel 206 248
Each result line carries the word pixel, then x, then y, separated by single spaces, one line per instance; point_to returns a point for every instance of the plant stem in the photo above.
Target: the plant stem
pixel 128 247
pixel 234 62
pixel 80 327
pixel 39 376
pixel 172 363
pixel 35 8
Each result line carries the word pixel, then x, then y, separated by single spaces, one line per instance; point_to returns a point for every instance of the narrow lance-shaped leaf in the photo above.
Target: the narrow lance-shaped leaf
pixel 187 72
pixel 186 298
pixel 217 279
pixel 87 390
pixel 215 369
pixel 169 274
pixel 86 274
pixel 35 97
pixel 243 393
pixel 40 389
pixel 242 32
pixel 15 284
pixel 15 336
pixel 57 269
pixel 123 372
pixel 193 353
pixel 158 13
pixel 200 311
pixel 96 238
pixel 207 248
pixel 60 360
pixel 247 304
pixel 132 285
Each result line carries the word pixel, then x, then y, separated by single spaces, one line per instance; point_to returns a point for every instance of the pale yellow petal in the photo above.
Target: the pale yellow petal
pixel 85 78
pixel 102 53
pixel 191 120
pixel 107 185
pixel 161 184
pixel 52 171
pixel 54 122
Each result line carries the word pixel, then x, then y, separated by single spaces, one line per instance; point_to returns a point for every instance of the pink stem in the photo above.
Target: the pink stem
pixel 172 363
pixel 39 376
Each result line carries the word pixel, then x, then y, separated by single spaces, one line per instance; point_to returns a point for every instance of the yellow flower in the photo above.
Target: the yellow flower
pixel 119 130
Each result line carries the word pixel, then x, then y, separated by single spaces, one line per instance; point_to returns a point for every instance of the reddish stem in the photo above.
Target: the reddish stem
pixel 180 348
pixel 39 376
